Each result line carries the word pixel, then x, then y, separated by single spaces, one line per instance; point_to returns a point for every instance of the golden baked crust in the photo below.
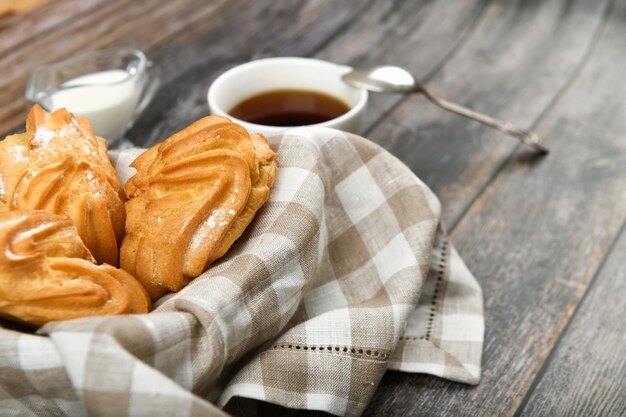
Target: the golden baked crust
pixel 192 197
pixel 47 273
pixel 59 165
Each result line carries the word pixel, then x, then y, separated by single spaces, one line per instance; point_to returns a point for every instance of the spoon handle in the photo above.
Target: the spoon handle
pixel 525 136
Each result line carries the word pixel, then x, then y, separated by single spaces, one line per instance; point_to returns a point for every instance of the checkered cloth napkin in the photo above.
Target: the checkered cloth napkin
pixel 346 272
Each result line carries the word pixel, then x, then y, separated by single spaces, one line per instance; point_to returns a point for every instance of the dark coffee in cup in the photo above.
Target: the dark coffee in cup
pixel 289 108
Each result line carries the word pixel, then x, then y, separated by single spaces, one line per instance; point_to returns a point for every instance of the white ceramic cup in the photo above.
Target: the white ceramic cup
pixel 264 75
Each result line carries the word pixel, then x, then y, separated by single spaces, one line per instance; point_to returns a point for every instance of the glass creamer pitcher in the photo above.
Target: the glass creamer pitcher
pixel 110 87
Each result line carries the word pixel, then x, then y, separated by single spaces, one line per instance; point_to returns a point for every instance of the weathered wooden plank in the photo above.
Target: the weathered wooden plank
pixel 522 54
pixel 191 42
pixel 311 18
pixel 535 238
pixel 587 373
pixel 249 31
pixel 379 20
pixel 271 37
pixel 152 23
pixel 419 37
pixel 17 29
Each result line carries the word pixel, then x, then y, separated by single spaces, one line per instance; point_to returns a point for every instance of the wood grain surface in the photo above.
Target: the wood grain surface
pixel 544 236
pixel 589 365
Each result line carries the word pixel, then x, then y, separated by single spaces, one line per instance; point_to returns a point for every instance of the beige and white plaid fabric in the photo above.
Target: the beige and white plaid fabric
pixel 345 273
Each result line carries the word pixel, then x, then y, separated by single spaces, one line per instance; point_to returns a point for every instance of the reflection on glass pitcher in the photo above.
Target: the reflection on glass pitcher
pixel 110 87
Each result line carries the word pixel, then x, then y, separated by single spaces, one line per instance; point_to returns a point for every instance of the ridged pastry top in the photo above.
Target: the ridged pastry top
pixel 47 273
pixel 192 197
pixel 59 165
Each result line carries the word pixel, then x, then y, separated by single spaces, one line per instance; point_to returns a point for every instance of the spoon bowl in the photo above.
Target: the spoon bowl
pixel 382 79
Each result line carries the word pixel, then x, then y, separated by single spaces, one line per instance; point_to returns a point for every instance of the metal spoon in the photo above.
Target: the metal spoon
pixel 391 79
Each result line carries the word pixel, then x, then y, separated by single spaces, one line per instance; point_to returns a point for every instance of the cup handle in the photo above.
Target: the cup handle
pixel 152 85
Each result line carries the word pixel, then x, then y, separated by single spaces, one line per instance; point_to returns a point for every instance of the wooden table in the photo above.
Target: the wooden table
pixel 544 236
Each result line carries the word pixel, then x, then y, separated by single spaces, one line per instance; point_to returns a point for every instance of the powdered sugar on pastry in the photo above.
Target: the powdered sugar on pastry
pixel 93 182
pixel 79 128
pixel 17 153
pixel 233 197
pixel 219 218
pixel 43 136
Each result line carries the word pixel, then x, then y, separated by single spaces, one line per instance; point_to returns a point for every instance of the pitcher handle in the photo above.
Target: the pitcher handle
pixel 152 85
